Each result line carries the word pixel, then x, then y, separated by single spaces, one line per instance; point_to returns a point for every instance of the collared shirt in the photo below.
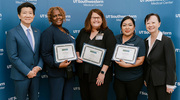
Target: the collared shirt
pixel 129 74
pixel 159 37
pixel 31 32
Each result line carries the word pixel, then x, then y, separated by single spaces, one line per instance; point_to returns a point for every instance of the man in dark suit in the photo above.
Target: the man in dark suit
pixel 22 45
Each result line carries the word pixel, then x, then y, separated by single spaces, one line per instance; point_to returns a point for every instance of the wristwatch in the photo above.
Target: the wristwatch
pixel 102 72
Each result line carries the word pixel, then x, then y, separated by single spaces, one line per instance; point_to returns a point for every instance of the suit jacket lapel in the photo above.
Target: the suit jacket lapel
pixel 155 44
pixel 147 48
pixel 23 36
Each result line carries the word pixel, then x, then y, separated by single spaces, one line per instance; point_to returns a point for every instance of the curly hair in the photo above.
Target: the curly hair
pixel 50 12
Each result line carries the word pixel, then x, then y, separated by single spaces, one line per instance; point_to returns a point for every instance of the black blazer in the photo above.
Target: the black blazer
pixel 52 35
pixel 108 42
pixel 160 64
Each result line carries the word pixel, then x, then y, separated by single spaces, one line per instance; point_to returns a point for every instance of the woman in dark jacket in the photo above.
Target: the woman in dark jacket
pixel 61 87
pixel 94 81
pixel 160 63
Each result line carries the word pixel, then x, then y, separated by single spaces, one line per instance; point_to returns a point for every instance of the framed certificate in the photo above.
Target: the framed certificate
pixel 93 55
pixel 126 53
pixel 64 52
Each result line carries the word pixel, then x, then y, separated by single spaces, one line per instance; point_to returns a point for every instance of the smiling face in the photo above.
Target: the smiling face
pixel 96 21
pixel 57 18
pixel 26 16
pixel 128 27
pixel 152 25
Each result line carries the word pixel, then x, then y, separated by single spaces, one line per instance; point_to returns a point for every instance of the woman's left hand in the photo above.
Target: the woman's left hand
pixel 100 79
pixel 169 90
pixel 122 64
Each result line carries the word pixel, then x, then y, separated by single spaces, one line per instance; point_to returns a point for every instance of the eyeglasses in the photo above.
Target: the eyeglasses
pixel 94 18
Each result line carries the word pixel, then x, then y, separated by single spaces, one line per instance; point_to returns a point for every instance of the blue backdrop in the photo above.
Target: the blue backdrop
pixel 76 12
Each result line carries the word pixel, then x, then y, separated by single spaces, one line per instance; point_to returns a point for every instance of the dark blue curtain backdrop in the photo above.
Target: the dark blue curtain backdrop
pixel 76 12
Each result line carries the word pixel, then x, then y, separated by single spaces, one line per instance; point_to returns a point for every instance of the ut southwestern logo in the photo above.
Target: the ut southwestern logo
pixel 5 32
pixel 2 85
pixel 76 88
pixel 177 84
pixel 12 98
pixel 68 17
pixel 144 32
pixel 157 2
pixel 9 66
pixel 177 50
pixel 44 76
pixel 143 93
pixel 89 2
pixel 120 17
pixel 167 33
pixel 22 1
pixel 0 16
pixel 76 31
pixel 43 15
pixel 177 15
pixel 1 52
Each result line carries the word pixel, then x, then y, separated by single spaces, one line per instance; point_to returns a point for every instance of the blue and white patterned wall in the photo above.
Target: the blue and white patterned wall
pixel 76 12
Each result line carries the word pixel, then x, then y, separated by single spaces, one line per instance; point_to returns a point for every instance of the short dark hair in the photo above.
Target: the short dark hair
pixel 125 18
pixel 88 26
pixel 149 15
pixel 26 4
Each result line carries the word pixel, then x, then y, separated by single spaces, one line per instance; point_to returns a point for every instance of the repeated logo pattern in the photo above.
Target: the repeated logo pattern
pixel 22 1
pixel 157 2
pixel 89 2
pixel 113 12
pixel 1 16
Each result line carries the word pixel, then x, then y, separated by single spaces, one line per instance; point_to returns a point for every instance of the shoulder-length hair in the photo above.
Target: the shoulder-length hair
pixel 88 26
pixel 50 11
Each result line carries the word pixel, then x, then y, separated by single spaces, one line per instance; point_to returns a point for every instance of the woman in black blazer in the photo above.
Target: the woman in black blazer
pixel 160 63
pixel 60 82
pixel 94 81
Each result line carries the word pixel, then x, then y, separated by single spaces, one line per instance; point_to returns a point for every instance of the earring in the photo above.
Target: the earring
pixel 120 31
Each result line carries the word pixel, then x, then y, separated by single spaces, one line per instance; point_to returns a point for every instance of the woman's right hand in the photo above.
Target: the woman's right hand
pixel 64 64
pixel 79 60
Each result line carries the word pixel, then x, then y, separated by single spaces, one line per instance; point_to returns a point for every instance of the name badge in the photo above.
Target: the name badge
pixel 99 36
pixel 130 44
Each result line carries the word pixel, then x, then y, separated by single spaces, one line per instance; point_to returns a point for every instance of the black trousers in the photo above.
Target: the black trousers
pixel 90 91
pixel 157 92
pixel 61 88
pixel 127 89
